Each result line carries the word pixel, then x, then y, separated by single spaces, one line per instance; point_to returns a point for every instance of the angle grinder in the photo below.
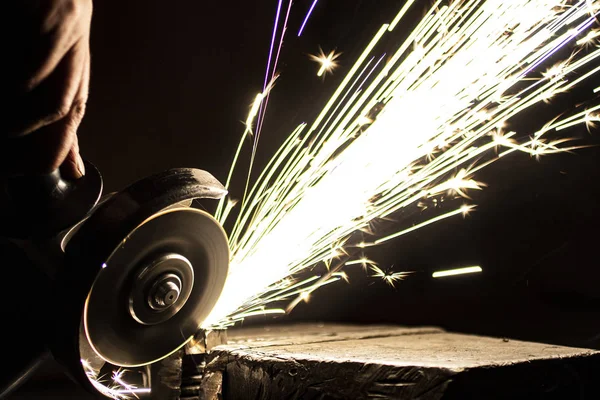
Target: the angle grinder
pixel 123 279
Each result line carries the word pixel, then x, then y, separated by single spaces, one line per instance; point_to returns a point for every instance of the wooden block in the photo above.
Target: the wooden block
pixel 366 362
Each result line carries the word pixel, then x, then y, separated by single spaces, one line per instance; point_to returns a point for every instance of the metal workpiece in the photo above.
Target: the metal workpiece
pixel 201 379
pixel 335 361
pixel 190 373
pixel 205 340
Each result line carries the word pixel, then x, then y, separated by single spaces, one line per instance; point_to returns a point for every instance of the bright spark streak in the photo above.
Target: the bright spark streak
pixel 266 86
pixel 437 107
pixel 327 62
pixel 363 262
pixel 400 14
pixel 457 271
pixel 464 210
pixel 254 110
pixel 272 45
pixel 312 7
pixel 263 107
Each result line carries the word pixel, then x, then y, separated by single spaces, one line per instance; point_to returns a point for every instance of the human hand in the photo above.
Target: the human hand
pixel 44 85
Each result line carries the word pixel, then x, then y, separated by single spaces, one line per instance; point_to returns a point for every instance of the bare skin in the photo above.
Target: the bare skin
pixel 44 87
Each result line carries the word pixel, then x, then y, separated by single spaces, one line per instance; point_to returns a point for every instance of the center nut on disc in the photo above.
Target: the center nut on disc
pixel 161 289
pixel 164 292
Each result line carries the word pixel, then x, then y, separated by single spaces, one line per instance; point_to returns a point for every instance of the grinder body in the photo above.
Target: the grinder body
pixel 123 280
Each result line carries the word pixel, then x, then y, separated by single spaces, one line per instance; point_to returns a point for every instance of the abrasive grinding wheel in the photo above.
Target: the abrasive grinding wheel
pixel 157 287
pixel 141 274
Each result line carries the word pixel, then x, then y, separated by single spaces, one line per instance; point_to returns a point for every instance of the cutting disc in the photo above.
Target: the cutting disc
pixel 157 287
pixel 125 290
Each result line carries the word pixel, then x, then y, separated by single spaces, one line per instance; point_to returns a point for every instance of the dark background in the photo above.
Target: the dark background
pixel 173 81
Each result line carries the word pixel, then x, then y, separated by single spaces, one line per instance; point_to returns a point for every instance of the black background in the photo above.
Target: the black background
pixel 173 81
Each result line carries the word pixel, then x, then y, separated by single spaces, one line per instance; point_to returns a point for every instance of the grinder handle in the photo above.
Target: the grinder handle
pixel 45 204
pixel 24 321
pixel 36 190
pixel 30 359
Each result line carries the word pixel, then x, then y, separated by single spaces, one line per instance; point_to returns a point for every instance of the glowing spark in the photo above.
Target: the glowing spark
pixel 117 377
pixel 457 185
pixel 344 276
pixel 591 119
pixel 589 38
pixel 437 108
pixel 253 111
pixel 327 62
pixel 258 102
pixel 457 271
pixel 557 70
pixel 389 277
pixel 312 7
pixel 118 390
pixel 305 296
pixel 364 262
pixel 466 209
pixel 364 121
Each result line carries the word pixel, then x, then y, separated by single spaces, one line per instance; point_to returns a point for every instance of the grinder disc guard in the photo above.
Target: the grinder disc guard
pixel 157 287
pixel 140 274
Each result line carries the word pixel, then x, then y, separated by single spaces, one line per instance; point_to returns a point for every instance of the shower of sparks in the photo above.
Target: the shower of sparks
pixel 408 132
pixel 327 62
pixel 116 387
pixel 456 271
pixel 310 10
pixel 415 130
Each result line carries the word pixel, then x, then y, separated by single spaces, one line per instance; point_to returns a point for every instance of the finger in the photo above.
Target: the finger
pixel 38 153
pixel 73 167
pixel 47 148
pixel 44 150
pixel 52 100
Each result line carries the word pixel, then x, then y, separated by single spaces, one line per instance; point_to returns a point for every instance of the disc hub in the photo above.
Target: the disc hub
pixel 161 289
pixel 164 292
